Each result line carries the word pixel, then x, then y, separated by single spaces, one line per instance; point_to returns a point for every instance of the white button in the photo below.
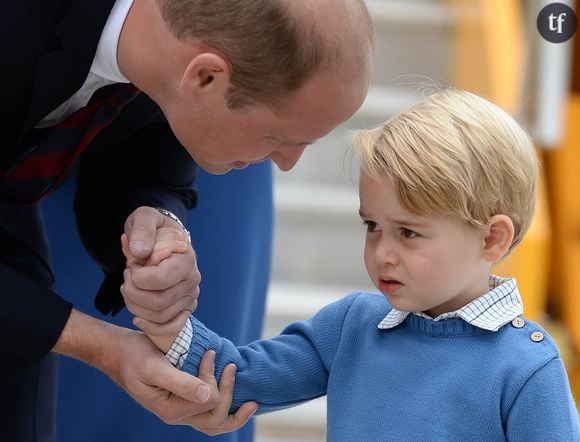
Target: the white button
pixel 537 336
pixel 518 322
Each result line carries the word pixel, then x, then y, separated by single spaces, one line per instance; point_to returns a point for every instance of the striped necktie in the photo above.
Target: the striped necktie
pixel 47 163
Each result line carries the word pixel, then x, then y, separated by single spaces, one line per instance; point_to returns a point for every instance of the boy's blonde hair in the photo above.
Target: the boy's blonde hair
pixel 456 154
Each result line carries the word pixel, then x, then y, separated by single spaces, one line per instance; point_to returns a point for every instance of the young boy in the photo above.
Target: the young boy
pixel 447 189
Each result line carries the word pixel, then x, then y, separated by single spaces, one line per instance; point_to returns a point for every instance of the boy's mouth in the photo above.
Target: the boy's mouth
pixel 389 286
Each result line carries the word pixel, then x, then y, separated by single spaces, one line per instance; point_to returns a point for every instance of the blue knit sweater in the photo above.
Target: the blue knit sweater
pixel 420 381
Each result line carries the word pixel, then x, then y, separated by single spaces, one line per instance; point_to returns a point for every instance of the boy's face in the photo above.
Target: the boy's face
pixel 430 264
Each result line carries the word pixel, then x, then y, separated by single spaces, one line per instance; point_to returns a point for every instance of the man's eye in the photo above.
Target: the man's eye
pixel 408 233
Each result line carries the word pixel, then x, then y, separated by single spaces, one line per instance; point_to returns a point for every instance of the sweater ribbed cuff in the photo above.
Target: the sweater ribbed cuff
pixel 202 341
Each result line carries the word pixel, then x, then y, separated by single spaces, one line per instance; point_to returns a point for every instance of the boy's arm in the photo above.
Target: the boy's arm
pixel 544 409
pixel 277 373
pixel 218 420
pixel 281 372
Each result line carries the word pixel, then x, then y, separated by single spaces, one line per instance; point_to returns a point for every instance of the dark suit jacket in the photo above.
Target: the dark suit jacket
pixel 48 47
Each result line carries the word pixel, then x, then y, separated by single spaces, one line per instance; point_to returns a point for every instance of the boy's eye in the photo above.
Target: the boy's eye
pixel 371 225
pixel 408 233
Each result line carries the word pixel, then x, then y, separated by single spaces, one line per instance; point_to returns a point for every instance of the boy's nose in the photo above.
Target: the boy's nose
pixel 386 254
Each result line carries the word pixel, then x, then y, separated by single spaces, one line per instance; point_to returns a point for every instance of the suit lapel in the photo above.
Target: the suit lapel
pixel 59 74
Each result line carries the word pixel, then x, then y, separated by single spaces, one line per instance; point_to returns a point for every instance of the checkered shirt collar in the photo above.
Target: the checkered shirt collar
pixel 490 311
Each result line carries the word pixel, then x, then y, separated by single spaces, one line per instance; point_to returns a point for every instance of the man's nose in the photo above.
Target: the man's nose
pixel 287 157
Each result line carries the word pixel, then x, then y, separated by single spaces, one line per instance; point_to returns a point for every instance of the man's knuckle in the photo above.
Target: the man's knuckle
pixel 161 277
pixel 191 281
pixel 214 401
pixel 145 211
pixel 191 300
pixel 138 280
pixel 169 417
pixel 157 303
pixel 166 316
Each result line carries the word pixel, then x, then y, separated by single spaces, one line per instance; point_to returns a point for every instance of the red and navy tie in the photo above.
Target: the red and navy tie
pixel 48 161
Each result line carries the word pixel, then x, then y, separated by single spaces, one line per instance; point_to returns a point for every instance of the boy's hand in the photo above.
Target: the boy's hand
pixel 218 420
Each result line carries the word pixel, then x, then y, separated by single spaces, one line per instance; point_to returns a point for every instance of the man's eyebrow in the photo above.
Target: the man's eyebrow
pixel 289 142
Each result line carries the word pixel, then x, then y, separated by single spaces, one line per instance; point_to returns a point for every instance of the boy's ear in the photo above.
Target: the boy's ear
pixel 498 237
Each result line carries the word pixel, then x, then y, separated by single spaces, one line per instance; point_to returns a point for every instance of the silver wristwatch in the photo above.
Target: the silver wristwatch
pixel 171 215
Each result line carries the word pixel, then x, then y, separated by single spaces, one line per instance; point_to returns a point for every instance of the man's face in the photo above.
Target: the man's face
pixel 220 139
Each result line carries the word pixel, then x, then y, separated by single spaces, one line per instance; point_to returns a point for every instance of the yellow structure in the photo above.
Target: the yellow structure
pixel 489 59
pixel 563 166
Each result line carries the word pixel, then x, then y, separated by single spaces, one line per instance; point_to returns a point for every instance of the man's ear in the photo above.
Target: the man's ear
pixel 207 72
pixel 498 237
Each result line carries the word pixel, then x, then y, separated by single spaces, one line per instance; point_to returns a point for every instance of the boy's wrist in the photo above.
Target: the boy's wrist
pixel 179 347
pixel 163 343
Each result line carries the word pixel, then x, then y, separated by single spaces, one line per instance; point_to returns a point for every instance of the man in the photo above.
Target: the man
pixel 226 83
pixel 231 230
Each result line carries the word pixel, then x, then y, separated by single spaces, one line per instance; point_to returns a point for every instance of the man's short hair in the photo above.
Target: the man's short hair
pixel 272 52
pixel 456 154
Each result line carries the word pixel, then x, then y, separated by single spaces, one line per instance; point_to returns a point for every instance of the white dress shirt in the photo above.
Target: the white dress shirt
pixel 104 69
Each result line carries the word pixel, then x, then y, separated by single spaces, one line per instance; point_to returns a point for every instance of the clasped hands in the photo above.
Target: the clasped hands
pixel 161 286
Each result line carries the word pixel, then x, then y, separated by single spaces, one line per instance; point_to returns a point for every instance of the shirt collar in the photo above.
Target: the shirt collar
pixel 490 311
pixel 105 62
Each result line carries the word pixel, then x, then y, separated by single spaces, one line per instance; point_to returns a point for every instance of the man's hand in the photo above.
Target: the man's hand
pixel 141 228
pixel 130 359
pixel 167 241
pixel 161 289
